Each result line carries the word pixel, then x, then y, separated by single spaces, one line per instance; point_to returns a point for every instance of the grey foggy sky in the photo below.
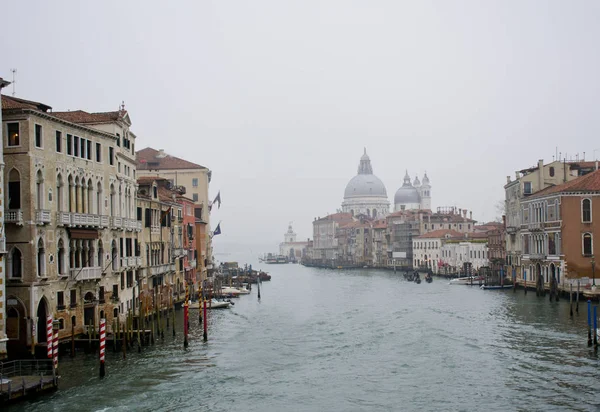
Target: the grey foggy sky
pixel 279 98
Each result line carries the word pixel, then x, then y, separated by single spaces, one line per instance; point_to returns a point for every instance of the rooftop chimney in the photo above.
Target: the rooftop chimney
pixel 471 215
pixel 507 179
pixel 540 174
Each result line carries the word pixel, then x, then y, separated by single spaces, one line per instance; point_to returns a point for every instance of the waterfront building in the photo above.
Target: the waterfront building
pixel 402 226
pixel 163 269
pixel 291 247
pixel 70 216
pixel 379 249
pixel 557 232
pixel 413 196
pixel 365 193
pixel 194 180
pixel 325 242
pixel 527 182
pixel 187 236
pixel 466 253
pixel 427 248
pixel 3 303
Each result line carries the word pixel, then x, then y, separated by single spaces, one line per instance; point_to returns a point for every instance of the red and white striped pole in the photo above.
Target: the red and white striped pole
pixel 49 336
pixel 55 346
pixel 102 346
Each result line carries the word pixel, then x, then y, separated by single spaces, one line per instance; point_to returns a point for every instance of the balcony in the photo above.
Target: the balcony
pixel 192 264
pixel 127 262
pixel 116 222
pixel 535 227
pixel 132 224
pixel 155 230
pixel 511 230
pixel 81 219
pixel 82 274
pixel 14 216
pixel 162 269
pixel 178 251
pixel 537 256
pixel 42 216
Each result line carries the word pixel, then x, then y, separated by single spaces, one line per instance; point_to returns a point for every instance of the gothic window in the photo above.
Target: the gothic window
pixel 39 184
pixel 41 259
pixel 14 189
pixel 15 263
pixel 587 244
pixel 61 258
pixel 13 134
pixel 586 210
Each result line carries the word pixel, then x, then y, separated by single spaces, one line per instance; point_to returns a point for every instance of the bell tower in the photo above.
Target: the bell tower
pixel 425 190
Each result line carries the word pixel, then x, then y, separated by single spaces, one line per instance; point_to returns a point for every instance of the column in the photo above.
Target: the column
pixel 78 190
pixel 84 206
pixel 72 198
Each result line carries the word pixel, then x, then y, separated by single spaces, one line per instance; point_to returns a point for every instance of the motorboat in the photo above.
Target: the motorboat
pixel 494 287
pixel 468 280
pixel 211 304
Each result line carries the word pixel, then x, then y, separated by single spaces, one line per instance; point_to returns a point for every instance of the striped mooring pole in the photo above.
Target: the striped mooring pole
pixel 102 346
pixel 49 337
pixel 55 327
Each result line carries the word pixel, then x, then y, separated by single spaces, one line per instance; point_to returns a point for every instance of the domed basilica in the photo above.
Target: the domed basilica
pixel 366 195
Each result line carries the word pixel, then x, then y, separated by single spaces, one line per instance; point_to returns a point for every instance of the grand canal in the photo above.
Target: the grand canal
pixel 332 340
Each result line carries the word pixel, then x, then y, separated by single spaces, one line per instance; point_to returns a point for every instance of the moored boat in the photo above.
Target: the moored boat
pixel 494 287
pixel 212 304
pixel 468 280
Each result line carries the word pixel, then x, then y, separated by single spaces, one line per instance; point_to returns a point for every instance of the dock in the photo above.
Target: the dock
pixel 22 379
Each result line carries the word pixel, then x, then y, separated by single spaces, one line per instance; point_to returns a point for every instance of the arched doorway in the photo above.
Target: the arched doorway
pixel 16 326
pixel 42 314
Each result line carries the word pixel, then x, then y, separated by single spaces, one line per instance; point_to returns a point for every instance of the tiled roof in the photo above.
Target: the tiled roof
pixel 82 117
pixel 585 183
pixel 152 159
pixel 11 103
pixel 148 179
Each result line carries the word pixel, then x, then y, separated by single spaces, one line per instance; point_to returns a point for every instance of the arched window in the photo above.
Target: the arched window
pixel 587 244
pixel 100 254
pixel 39 190
pixel 14 189
pixel 112 200
pixel 586 210
pixel 61 258
pixel 15 263
pixel 59 193
pixel 99 199
pixel 551 171
pixel 90 197
pixel 71 194
pixel 115 256
pixel 76 197
pixel 41 258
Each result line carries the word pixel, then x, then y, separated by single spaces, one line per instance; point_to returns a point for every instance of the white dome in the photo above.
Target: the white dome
pixel 365 186
pixel 406 195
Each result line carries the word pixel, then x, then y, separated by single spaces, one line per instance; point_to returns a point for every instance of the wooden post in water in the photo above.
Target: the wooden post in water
pixel 205 323
pixel 114 331
pixel 595 328
pixel 72 339
pixel 589 319
pixel 577 303
pixel 89 331
pixel 93 323
pixel 571 300
pixel 102 346
pixel 173 317
pixel 123 344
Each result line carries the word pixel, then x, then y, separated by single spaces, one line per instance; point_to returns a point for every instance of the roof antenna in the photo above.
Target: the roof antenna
pixel 122 108
pixel 14 81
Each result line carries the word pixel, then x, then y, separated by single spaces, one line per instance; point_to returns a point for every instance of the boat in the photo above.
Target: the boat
pixel 468 280
pixel 212 304
pixel 271 259
pixel 428 278
pixel 494 287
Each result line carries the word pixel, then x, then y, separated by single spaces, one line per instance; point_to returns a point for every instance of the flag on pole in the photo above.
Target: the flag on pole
pixel 217 230
pixel 217 199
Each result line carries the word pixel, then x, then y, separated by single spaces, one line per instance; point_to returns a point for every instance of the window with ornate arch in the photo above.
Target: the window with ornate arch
pixel 587 244
pixel 586 210
pixel 15 263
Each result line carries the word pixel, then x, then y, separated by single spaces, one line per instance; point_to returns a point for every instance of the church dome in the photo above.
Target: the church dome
pixel 365 183
pixel 407 194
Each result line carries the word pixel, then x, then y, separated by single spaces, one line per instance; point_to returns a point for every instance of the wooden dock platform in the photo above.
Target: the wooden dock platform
pixel 23 379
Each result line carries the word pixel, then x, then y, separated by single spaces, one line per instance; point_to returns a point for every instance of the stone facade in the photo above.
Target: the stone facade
pixel 3 337
pixel 71 216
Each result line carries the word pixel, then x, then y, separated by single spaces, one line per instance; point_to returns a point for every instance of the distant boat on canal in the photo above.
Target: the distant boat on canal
pixel 270 259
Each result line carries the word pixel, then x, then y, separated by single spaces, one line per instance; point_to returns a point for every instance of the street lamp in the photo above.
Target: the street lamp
pixel 593 271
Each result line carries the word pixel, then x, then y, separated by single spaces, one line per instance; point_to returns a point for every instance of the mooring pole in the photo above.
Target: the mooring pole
pixel 577 304
pixel 571 300
pixel 102 346
pixel 595 328
pixel 185 316
pixel 589 319
pixel 205 323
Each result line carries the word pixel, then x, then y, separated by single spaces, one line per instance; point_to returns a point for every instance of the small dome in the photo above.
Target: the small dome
pixel 365 185
pixel 416 183
pixel 406 195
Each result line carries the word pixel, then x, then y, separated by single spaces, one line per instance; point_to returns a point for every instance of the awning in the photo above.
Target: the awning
pixel 83 233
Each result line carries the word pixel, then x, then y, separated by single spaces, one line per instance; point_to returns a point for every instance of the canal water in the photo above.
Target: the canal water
pixel 356 340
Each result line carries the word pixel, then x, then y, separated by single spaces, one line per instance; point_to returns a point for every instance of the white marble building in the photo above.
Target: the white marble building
pixel 365 194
